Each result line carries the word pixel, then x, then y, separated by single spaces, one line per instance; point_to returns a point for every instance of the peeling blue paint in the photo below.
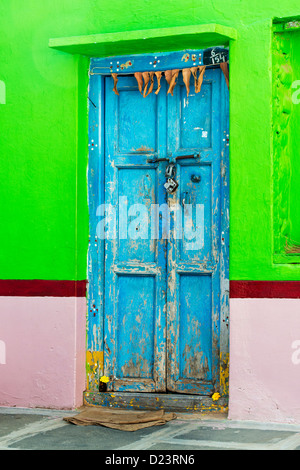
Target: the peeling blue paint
pixel 158 307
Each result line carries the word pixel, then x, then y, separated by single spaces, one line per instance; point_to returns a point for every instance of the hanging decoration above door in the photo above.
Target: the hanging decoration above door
pixel 145 80
pixel 150 69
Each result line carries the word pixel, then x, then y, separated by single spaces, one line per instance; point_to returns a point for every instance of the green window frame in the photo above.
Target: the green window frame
pixel 286 153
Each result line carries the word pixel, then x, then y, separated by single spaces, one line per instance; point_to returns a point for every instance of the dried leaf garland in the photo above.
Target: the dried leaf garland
pixel 151 77
pixel 158 76
pixel 186 75
pixel 139 79
pixel 194 71
pixel 143 81
pixel 200 78
pixel 175 73
pixel 168 76
pixel 146 77
pixel 225 70
pixel 115 77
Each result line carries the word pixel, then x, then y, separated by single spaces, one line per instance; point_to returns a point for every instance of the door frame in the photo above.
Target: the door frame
pixel 99 69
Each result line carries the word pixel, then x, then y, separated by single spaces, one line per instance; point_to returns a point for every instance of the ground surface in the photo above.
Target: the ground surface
pixel 46 430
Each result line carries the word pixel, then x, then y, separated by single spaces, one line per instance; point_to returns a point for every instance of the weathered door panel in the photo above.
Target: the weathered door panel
pixel 162 296
pixel 135 263
pixel 194 259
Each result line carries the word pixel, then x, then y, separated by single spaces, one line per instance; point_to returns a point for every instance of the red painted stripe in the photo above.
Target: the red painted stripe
pixel 238 289
pixel 42 288
pixel 265 289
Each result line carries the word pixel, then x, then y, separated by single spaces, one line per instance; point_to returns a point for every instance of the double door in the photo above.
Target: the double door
pixel 163 266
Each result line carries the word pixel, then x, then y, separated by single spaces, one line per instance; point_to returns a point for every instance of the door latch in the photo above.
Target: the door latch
pixel 157 160
pixel 187 157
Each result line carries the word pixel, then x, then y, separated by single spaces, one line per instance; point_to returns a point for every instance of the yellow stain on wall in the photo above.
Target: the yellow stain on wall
pixel 224 373
pixel 94 368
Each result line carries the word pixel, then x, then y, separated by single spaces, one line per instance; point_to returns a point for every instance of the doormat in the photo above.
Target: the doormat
pixel 123 420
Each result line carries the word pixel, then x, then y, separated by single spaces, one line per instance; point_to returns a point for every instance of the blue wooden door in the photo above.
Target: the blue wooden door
pixel 193 334
pixel 135 263
pixel 162 280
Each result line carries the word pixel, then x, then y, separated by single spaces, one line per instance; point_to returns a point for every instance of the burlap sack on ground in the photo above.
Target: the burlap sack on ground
pixel 120 419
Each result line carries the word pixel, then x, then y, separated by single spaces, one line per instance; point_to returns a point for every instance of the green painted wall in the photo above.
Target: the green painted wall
pixel 43 147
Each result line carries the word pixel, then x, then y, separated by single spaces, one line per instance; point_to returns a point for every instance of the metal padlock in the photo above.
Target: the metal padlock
pixel 171 171
pixel 171 185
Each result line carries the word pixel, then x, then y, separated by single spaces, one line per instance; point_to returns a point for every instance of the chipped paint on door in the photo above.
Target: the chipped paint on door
pixel 135 264
pixel 164 305
pixel 194 268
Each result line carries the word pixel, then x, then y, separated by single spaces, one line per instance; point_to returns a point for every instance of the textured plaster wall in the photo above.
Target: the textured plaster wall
pixel 42 352
pixel 264 360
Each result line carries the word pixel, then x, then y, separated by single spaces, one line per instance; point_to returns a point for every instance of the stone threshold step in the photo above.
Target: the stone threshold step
pixel 156 401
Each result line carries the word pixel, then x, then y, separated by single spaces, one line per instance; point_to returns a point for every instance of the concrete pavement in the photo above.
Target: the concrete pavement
pixel 26 429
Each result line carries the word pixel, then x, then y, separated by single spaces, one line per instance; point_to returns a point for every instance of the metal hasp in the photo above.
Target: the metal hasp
pixel 171 171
